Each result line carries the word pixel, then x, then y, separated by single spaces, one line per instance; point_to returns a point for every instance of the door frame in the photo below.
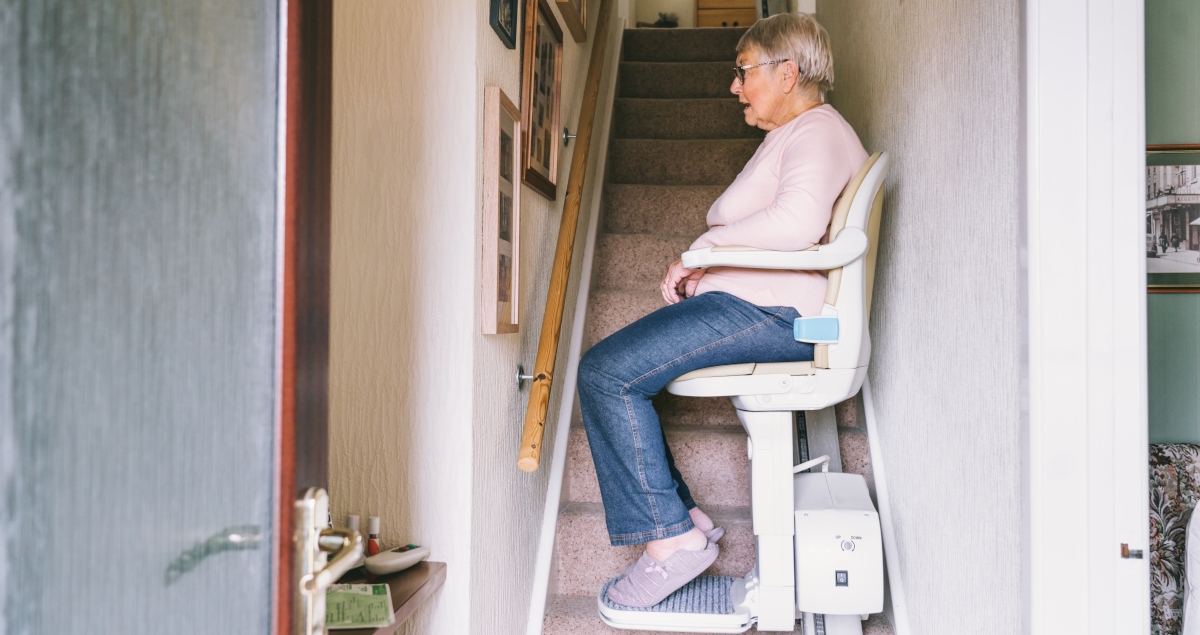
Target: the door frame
pixel 303 232
pixel 1085 409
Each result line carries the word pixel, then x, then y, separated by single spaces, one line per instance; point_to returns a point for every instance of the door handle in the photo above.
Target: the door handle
pixel 346 546
pixel 228 539
pixel 314 572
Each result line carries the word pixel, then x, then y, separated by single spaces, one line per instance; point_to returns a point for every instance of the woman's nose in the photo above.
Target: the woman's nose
pixel 735 87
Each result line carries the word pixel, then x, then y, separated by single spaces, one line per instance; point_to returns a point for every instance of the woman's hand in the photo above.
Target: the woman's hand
pixel 679 281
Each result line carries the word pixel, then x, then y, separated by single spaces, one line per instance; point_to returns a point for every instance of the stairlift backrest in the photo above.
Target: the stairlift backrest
pixel 849 288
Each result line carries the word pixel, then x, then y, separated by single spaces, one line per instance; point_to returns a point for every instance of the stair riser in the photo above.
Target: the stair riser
pixel 635 262
pixel 674 410
pixel 682 45
pixel 713 464
pixel 693 80
pixel 657 162
pixel 586 561
pixel 681 119
pixel 609 311
pixel 658 209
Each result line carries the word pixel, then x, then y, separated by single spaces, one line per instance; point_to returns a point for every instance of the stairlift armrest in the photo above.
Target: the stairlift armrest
pixel 850 245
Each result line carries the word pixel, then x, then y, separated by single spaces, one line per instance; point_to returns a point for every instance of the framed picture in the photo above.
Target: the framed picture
pixel 504 21
pixel 574 13
pixel 501 213
pixel 541 80
pixel 1173 223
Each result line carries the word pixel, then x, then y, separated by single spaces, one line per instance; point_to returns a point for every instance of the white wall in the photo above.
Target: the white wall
pixel 507 503
pixel 648 10
pixel 403 280
pixel 425 418
pixel 937 84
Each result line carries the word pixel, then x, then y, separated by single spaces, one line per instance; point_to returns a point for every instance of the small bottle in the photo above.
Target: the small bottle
pixel 373 536
pixel 352 522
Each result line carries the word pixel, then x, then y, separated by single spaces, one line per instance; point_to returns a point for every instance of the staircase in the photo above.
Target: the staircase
pixel 678 141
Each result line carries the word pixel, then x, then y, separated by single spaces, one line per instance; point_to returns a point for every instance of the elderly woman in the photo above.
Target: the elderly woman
pixel 782 200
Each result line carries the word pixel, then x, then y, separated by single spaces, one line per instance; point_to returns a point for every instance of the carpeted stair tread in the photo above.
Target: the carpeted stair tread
pixel 682 45
pixel 675 80
pixel 711 458
pixel 658 209
pixel 678 162
pixel 681 119
pixel 635 261
pixel 586 561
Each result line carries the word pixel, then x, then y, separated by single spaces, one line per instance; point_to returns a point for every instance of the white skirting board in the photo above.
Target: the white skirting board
pixel 545 554
pixel 895 582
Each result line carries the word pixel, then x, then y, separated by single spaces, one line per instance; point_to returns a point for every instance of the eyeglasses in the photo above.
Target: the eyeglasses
pixel 741 70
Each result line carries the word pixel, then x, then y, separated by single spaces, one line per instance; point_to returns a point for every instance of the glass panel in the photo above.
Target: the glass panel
pixel 137 330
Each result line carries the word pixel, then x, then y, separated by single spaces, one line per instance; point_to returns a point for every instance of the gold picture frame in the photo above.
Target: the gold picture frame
pixel 500 264
pixel 541 85
pixel 574 14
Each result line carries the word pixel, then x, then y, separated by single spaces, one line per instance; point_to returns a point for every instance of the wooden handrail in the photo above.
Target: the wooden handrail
pixel 543 369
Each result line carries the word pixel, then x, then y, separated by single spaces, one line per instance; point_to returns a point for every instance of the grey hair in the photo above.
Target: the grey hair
pixel 797 37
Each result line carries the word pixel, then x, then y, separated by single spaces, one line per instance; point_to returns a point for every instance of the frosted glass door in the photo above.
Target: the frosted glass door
pixel 137 315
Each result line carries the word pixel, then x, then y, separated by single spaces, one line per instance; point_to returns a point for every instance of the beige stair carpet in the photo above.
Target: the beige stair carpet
pixel 679 141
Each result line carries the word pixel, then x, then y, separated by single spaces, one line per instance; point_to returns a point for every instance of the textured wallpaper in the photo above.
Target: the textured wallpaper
pixel 936 83
pixel 403 282
pixel 425 417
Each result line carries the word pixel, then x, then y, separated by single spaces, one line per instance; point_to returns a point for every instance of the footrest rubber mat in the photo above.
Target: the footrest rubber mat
pixel 707 594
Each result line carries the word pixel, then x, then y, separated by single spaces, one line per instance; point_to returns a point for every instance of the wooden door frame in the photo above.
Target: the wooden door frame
pixel 1085 484
pixel 306 96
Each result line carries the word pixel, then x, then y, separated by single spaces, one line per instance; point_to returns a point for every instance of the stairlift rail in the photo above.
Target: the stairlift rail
pixel 543 369
pixel 822 460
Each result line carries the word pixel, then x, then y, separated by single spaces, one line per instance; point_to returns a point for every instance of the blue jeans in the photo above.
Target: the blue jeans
pixel 645 497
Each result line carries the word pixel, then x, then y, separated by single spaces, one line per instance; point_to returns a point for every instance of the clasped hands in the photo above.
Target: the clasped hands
pixel 680 283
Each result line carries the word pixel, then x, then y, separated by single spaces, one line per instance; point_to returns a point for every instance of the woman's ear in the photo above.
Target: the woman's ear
pixel 790 76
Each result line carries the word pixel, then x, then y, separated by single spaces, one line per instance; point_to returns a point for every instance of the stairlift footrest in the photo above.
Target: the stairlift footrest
pixel 704 605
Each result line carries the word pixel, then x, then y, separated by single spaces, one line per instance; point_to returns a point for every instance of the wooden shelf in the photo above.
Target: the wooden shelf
pixel 410 588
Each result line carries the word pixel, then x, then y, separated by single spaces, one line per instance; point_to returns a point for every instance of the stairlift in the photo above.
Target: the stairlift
pixel 819 553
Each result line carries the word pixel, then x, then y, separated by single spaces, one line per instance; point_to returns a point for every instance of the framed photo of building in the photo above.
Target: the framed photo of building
pixel 1172 226
pixel 541 82
pixel 503 18
pixel 500 274
pixel 574 13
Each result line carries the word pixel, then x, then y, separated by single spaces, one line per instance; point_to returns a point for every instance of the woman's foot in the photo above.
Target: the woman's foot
pixel 693 540
pixel 705 524
pixel 649 581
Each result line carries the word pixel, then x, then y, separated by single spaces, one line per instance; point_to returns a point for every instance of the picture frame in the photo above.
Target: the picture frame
pixel 504 18
pixel 501 257
pixel 1172 221
pixel 574 14
pixel 541 86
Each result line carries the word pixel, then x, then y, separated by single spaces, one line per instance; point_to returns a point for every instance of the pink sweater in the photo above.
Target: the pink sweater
pixel 782 200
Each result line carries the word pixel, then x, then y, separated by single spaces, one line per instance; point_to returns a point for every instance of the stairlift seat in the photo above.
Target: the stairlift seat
pixel 738 370
pixel 843 344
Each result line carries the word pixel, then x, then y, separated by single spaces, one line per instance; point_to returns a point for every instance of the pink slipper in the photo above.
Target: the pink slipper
pixel 715 534
pixel 650 581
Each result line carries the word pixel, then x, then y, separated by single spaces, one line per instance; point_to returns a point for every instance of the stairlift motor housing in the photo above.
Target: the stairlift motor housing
pixel 839 548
